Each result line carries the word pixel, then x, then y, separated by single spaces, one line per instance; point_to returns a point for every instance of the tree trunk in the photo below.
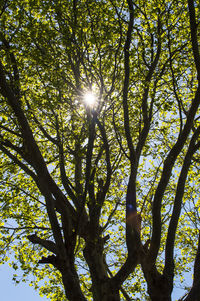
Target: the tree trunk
pixel 102 287
pixel 159 286
pixel 72 288
pixel 70 279
pixel 105 292
pixel 158 289
pixel 158 296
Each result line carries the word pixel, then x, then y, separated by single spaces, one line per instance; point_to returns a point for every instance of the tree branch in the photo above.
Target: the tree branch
pixel 194 38
pixel 167 168
pixel 169 258
pixel 47 244
pixel 108 164
pixel 194 293
pixel 126 83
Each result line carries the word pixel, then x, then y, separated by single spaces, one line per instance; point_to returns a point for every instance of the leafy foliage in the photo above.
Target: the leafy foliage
pixel 76 178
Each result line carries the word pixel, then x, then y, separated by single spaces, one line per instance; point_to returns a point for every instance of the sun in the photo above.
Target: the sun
pixel 89 99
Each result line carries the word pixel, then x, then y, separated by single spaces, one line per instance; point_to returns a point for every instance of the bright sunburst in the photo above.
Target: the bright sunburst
pixel 89 99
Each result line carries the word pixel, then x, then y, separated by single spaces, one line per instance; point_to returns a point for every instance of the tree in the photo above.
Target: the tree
pixel 78 178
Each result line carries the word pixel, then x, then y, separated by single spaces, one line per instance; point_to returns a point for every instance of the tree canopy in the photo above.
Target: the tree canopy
pixel 99 147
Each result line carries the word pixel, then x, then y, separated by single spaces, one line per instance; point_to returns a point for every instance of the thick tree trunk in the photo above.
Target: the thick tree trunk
pixel 102 288
pixel 159 295
pixel 72 287
pixel 158 289
pixel 105 292
pixel 70 277
pixel 159 286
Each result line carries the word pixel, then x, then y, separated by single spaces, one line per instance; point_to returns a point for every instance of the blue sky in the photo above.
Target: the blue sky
pixel 23 292
pixel 11 292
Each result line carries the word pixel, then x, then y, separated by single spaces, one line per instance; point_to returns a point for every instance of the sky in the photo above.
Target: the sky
pixel 20 292
pixel 23 292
